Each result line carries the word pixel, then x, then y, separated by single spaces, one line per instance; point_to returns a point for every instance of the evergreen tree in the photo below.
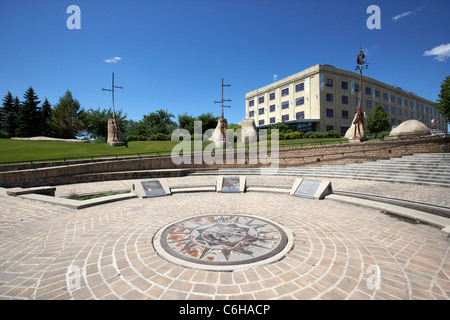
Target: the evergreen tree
pixel 378 121
pixel 12 118
pixel 8 104
pixel 46 114
pixel 443 103
pixel 29 115
pixel 67 117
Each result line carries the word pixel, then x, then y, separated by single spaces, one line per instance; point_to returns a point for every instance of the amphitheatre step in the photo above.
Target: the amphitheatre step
pixel 426 207
pixel 424 179
pixel 411 214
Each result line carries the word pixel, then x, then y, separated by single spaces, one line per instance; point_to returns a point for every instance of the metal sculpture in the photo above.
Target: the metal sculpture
pixel 359 118
pixel 222 121
pixel 114 120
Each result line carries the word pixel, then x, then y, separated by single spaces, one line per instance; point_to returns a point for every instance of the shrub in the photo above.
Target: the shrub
pixel 136 137
pixel 4 135
pixel 161 137
pixel 313 135
pixel 332 134
pixel 294 135
pixel 383 134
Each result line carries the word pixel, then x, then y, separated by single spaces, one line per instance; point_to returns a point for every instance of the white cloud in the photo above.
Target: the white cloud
pixel 441 52
pixel 407 13
pixel 275 77
pixel 113 60
pixel 404 14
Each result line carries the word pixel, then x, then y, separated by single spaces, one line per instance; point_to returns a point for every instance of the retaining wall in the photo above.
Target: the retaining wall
pixel 163 166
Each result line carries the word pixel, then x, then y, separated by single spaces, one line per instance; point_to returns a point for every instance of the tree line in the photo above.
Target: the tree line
pixel 68 120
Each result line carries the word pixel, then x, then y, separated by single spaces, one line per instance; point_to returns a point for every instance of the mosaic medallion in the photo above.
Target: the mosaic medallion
pixel 223 242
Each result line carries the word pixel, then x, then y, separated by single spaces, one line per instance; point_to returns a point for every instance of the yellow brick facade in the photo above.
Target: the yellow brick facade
pixel 323 98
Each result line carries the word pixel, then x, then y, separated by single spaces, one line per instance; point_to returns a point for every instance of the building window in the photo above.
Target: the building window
pixel 399 101
pixel 368 90
pixel 405 103
pixel 399 111
pixel 272 96
pixel 285 92
pixel 272 120
pixel 272 108
pixel 300 115
pixel 356 87
pixel 299 101
pixel 285 105
pixel 405 113
pixel 251 114
pixel 261 100
pixel 251 103
pixel 399 121
pixel 392 98
pixel 261 110
pixel 392 110
pixel 356 101
pixel 377 93
pixel 368 104
pixel 329 97
pixel 411 114
pixel 329 82
pixel 330 128
pixel 392 122
pixel 344 85
pixel 285 117
pixel 261 122
pixel 385 96
pixel 344 99
pixel 344 114
pixel 385 108
pixel 416 116
pixel 329 113
pixel 299 87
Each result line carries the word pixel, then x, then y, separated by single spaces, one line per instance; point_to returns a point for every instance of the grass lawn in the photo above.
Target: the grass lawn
pixel 23 150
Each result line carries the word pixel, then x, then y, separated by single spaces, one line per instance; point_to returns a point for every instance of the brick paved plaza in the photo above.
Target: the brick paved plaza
pixel 106 251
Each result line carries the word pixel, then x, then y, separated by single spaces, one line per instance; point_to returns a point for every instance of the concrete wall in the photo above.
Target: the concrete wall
pixel 163 166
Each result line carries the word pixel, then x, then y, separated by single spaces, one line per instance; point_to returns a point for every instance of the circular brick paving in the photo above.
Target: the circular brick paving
pixel 223 242
pixel 341 251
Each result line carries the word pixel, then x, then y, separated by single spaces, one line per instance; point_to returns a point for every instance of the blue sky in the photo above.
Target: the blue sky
pixel 174 53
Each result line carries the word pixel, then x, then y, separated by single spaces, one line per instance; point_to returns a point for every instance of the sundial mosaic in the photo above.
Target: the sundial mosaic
pixel 223 240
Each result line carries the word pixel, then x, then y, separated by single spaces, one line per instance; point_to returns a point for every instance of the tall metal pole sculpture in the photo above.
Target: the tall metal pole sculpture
pixel 359 119
pixel 115 128
pixel 223 124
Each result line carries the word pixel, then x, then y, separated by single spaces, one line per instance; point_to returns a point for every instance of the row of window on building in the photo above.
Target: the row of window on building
pixel 345 98
pixel 298 116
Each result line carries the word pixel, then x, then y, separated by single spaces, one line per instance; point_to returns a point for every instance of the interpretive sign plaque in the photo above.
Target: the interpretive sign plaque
pixel 311 189
pixel 307 189
pixel 231 184
pixel 150 188
pixel 153 188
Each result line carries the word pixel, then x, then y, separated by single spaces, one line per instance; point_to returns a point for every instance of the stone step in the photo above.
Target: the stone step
pixel 426 207
pixel 416 215
pixel 347 175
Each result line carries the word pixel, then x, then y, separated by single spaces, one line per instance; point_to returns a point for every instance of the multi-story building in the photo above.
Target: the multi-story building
pixel 323 98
